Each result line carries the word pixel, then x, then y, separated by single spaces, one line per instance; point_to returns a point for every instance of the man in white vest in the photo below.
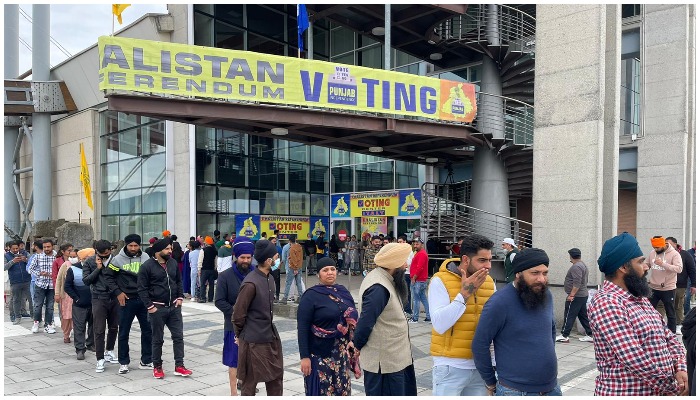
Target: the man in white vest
pixel 382 329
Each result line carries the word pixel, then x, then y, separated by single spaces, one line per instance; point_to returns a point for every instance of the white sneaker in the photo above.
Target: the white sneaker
pixel 585 339
pixel 110 357
pixel 678 330
pixel 563 339
pixel 145 366
pixel 49 329
pixel 193 299
pixel 35 327
pixel 124 369
pixel 100 366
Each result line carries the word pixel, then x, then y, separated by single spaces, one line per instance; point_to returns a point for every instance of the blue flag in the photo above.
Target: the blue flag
pixel 302 24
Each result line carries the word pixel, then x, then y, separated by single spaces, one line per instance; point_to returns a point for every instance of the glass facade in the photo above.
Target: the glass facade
pixel 132 160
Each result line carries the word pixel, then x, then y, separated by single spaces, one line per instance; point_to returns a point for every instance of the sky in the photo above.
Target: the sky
pixel 77 27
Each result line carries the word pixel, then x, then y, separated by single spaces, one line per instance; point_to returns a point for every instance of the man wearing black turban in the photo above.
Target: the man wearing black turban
pixel 519 320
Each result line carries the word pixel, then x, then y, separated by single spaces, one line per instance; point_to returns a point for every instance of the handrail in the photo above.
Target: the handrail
pixel 520 121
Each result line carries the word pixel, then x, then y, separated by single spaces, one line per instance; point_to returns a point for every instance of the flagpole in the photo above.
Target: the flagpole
pixel 112 25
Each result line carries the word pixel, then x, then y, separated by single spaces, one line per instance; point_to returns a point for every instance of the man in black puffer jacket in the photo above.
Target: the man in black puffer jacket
pixel 160 289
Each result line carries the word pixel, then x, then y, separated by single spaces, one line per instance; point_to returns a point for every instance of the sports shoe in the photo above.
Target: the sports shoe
pixel 17 321
pixel 283 302
pixel 12 318
pixel 124 369
pixel 35 327
pixel 49 329
pixel 26 315
pixel 427 320
pixel 678 330
pixel 180 370
pixel 110 357
pixel 193 299
pixel 412 321
pixel 158 373
pixel 80 354
pixel 585 339
pixel 145 366
pixel 100 365
pixel 562 339
pixel 91 348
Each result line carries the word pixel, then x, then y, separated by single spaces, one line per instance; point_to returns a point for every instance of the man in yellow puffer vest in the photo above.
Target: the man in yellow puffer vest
pixel 456 296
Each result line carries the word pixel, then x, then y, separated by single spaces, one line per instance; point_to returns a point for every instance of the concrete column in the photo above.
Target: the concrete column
pixel 387 37
pixel 576 139
pixel 11 207
pixel 490 112
pixel 41 122
pixel 493 33
pixel 665 172
pixel 490 193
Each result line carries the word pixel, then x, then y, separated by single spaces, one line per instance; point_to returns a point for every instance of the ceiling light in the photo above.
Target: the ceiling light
pixel 436 56
pixel 378 31
pixel 279 131
pixel 376 149
pixel 431 160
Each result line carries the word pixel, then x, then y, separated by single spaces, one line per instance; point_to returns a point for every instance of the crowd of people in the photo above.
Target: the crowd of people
pixel 481 337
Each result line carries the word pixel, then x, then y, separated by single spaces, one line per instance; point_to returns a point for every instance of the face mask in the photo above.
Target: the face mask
pixel 73 260
pixel 276 265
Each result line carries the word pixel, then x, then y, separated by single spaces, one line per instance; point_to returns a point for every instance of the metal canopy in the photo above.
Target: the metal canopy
pixel 401 139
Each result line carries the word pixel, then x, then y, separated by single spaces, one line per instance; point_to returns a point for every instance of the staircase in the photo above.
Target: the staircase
pixel 446 220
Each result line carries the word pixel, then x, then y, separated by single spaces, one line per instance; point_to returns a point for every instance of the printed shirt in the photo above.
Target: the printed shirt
pixel 42 263
pixel 635 353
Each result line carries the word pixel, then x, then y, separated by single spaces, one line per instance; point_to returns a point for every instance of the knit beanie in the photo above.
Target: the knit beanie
pixel 132 238
pixel 264 249
pixel 617 251
pixel 529 258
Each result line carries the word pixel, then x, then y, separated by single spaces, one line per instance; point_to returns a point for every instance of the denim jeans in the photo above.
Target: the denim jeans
pixel 134 308
pixel 43 298
pixel 193 280
pixel 452 381
pixel 291 277
pixel 418 293
pixel 504 391
pixel 686 302
pixel 19 291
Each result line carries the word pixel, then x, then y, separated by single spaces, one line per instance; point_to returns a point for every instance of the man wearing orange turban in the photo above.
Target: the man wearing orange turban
pixel 665 263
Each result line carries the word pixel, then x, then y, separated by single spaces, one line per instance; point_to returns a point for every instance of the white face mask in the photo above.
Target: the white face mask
pixel 73 260
pixel 276 265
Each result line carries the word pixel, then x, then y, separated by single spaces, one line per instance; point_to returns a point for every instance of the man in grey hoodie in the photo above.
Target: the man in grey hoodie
pixel 121 277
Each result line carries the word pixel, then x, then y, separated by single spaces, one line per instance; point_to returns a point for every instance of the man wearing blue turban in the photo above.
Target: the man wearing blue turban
pixel 636 354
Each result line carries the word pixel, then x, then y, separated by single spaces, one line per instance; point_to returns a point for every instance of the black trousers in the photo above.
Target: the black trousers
pixel 83 338
pixel 104 313
pixel 276 275
pixel 407 305
pixel 402 383
pixel 573 309
pixel 134 307
pixel 667 297
pixel 207 280
pixel 171 317
pixel 273 388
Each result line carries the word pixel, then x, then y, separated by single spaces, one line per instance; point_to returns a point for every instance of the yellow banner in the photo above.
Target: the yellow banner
pixel 374 204
pixel 374 226
pixel 298 226
pixel 194 71
pixel 85 177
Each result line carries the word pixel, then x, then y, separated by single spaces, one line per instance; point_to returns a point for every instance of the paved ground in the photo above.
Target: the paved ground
pixel 41 364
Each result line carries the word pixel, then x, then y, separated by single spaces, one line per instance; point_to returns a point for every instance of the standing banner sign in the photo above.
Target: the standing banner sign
pixel 298 226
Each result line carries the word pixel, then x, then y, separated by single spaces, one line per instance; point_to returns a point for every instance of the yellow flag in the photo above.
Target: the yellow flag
pixel 85 177
pixel 117 10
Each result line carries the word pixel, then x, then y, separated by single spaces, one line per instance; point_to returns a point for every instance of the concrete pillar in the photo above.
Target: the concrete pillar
pixel 11 207
pixel 665 172
pixel 493 33
pixel 490 193
pixel 387 37
pixel 41 122
pixel 576 139
pixel 490 113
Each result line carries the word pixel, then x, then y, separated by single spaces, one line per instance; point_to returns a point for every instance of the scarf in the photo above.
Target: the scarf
pixel 338 294
pixel 238 272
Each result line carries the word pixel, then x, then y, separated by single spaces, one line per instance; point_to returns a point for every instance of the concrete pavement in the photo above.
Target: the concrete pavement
pixel 41 364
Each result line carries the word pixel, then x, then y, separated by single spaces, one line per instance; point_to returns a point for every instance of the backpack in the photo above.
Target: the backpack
pixel 296 256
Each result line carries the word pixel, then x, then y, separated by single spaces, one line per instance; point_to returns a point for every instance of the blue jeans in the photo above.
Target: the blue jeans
pixel 43 297
pixel 504 391
pixel 686 302
pixel 291 277
pixel 418 293
pixel 452 381
pixel 134 308
pixel 193 280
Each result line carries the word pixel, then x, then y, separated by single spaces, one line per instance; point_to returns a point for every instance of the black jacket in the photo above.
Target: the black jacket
pixel 688 330
pixel 77 290
pixel 209 260
pixel 310 247
pixel 688 272
pixel 159 285
pixel 96 278
pixel 227 287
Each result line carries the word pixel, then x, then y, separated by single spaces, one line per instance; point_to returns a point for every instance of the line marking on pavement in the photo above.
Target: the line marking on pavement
pixel 582 378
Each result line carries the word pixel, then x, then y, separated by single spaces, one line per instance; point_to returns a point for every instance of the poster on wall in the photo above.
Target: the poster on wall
pixel 287 226
pixel 374 204
pixel 340 205
pixel 318 225
pixel 248 225
pixel 374 225
pixel 410 203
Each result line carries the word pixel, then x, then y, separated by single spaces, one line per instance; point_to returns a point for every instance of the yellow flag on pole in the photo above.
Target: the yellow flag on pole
pixel 117 10
pixel 85 177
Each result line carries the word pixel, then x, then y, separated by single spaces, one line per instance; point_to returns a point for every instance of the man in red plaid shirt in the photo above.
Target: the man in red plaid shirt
pixel 635 353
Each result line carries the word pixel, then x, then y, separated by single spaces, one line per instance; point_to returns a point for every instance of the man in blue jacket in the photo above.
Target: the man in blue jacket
pixel 519 320
pixel 16 267
pixel 82 305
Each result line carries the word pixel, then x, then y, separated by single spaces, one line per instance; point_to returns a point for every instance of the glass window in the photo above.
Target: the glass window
pixel 265 22
pixel 406 175
pixel 319 155
pixel 630 10
pixel 318 178
pixel 130 144
pixel 154 199
pixel 340 157
pixel 130 224
pixel 226 223
pixel 236 200
pixel 206 166
pixel 110 148
pixel 343 179
pixel 130 202
pixel 297 177
pixel 228 37
pixel 375 176
pixel 110 176
pixel 129 174
pixel 153 138
pixel 231 170
pixel 110 228
pixel 153 170
pixel 206 223
pixel 346 59
pixel 342 40
pixel 366 41
pixel 299 203
pixel 320 204
pixel 232 13
pixel 206 198
pixel 205 138
pixel 404 59
pixel 371 58
pixel 110 202
pixel 320 42
pixel 298 152
pixel 262 44
pixel 203 29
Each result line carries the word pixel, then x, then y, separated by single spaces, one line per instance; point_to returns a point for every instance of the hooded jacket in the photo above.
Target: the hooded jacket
pixel 664 277
pixel 121 273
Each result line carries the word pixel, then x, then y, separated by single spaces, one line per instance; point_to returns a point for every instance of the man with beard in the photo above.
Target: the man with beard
pixel 519 320
pixel 160 289
pixel 665 264
pixel 260 347
pixel 121 277
pixel 227 287
pixel 635 354
pixel 457 295
pixel 382 330
pixel 575 285
pixel 368 263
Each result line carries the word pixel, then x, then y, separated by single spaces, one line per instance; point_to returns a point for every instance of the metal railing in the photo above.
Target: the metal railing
pixel 497 114
pixel 447 220
pixel 459 192
pixel 495 24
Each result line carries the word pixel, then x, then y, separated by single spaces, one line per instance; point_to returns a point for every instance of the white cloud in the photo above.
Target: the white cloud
pixel 77 27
